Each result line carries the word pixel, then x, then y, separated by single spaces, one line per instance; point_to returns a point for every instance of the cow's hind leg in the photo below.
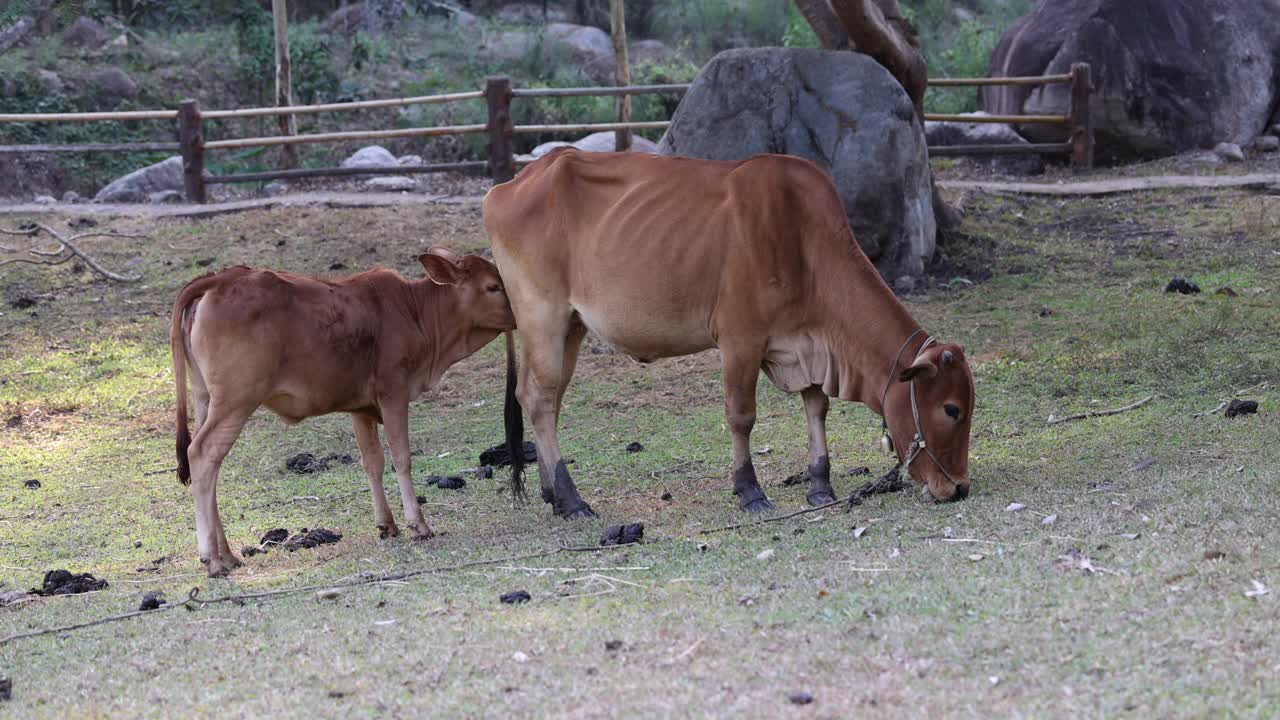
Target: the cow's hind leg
pixel 208 449
pixel 816 405
pixel 741 370
pixel 545 368
pixel 374 462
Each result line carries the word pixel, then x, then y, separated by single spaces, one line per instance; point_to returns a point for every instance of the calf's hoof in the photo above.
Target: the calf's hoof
pixel 548 497
pixel 388 531
pixel 821 497
pixel 421 532
pixel 759 505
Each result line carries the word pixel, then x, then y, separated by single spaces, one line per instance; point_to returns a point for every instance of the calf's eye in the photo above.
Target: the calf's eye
pixel 494 288
pixel 953 412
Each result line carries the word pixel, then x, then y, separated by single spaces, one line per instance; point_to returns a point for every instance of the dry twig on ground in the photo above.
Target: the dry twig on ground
pixel 66 250
pixel 1101 413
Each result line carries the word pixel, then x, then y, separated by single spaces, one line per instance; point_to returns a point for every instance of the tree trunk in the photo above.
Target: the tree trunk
pixel 825 24
pixel 878 29
pixel 618 27
pixel 284 82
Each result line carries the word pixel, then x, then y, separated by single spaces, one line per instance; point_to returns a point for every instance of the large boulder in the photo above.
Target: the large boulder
pixel 86 33
pixel 111 86
pixel 1168 75
pixel 590 47
pixel 139 185
pixel 528 13
pixel 841 110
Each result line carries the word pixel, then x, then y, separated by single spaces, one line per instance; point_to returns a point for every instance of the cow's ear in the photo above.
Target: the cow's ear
pixel 922 368
pixel 441 270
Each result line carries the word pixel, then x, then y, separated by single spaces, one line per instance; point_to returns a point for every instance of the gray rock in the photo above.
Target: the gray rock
pixel 347 20
pixel 46 200
pixel 72 197
pixel 165 197
pixel 13 34
pixel 50 81
pixel 1266 143
pixel 86 33
pixel 274 188
pixel 371 156
pixel 511 45
pixel 648 51
pixel 841 110
pixel 1275 129
pixel 1168 75
pixel 530 13
pixel 1230 152
pixel 464 19
pixel 391 183
pixel 112 85
pixel 590 47
pixel 595 142
pixel 405 160
pixel 944 134
pixel 139 184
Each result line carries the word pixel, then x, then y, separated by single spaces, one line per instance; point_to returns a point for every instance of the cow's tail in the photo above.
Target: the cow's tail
pixel 178 347
pixel 513 420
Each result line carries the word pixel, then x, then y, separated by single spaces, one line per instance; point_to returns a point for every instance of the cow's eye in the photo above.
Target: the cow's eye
pixel 953 412
pixel 494 288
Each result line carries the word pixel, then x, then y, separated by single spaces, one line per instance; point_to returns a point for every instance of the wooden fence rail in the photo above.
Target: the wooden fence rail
pixel 498 95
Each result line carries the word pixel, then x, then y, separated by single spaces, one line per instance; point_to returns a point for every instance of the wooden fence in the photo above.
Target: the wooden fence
pixel 500 128
pixel 1079 145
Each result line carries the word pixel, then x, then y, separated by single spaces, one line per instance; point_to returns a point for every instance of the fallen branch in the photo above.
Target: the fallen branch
pixel 780 518
pixel 68 246
pixel 1101 413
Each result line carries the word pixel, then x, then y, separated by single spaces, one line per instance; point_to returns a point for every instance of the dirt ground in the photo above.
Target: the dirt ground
pixel 1121 566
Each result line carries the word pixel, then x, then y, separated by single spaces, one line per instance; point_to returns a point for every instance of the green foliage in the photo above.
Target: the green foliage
pixel 705 27
pixel 799 33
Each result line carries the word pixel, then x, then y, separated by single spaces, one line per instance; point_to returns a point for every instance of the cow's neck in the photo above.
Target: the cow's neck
pixel 870 326
pixel 446 337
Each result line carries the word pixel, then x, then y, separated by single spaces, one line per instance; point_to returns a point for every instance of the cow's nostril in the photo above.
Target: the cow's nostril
pixel 962 492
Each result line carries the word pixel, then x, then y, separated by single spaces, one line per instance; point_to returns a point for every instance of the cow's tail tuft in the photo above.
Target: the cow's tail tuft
pixel 513 420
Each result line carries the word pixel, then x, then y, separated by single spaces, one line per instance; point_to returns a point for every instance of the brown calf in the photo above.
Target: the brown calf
pixel 366 345
pixel 662 256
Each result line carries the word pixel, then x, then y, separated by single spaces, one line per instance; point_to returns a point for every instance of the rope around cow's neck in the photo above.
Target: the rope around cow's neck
pixel 917 442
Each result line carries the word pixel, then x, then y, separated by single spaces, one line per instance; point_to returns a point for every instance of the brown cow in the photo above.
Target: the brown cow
pixel 366 345
pixel 662 256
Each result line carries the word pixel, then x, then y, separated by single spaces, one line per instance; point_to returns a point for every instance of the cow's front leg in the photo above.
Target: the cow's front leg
pixel 395 418
pixel 374 462
pixel 816 405
pixel 741 370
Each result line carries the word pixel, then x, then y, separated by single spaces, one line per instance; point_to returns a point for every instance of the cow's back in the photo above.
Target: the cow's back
pixel 657 253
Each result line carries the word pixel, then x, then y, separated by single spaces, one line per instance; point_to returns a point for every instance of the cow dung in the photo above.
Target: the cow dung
pixel 64 582
pixel 275 537
pixel 311 538
pixel 484 472
pixel 887 483
pixel 515 597
pixel 622 534
pixel 453 482
pixel 6 689
pixel 308 463
pixel 635 447
pixel 1242 407
pixel 800 698
pixel 1182 285
pixel 32 484
pixel 498 456
pixel 151 601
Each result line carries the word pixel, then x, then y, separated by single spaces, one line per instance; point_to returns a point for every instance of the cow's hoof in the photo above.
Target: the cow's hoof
pixel 759 505
pixel 822 497
pixel 218 570
pixel 231 560
pixel 548 497
pixel 421 532
pixel 582 512
pixel 388 531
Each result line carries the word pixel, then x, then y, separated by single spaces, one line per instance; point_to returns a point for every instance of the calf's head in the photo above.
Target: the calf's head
pixel 480 300
pixel 944 404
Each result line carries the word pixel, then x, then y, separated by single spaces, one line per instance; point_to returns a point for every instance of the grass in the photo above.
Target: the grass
pixel 899 621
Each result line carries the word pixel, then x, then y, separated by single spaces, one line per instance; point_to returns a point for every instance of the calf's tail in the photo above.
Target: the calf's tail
pixel 513 420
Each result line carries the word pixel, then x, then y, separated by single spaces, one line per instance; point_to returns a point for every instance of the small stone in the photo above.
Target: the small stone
pixel 976 557
pixel 1049 519
pixel 765 554
pixel 800 698
pixel 1230 152
pixel 165 197
pixel 1266 143
pixel 1014 507
pixel 519 657
pixel 274 188
pixel 71 196
pixel 46 200
pixel 391 183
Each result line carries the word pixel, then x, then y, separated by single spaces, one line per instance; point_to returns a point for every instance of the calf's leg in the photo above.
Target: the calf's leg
pixel 395 418
pixel 208 449
pixel 816 405
pixel 541 387
pixel 374 463
pixel 741 369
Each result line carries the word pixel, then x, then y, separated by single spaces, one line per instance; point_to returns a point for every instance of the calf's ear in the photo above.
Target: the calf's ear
pixel 441 270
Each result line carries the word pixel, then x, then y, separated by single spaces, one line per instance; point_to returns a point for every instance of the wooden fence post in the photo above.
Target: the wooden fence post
pixel 502 164
pixel 618 27
pixel 191 145
pixel 1081 123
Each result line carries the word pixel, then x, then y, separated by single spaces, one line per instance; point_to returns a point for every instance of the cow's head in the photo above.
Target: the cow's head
pixel 475 283
pixel 944 400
